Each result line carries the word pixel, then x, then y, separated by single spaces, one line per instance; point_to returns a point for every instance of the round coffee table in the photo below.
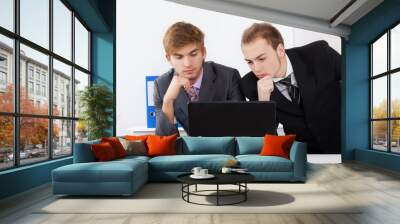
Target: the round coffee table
pixel 238 179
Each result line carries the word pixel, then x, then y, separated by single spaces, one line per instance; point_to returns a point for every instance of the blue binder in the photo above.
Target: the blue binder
pixel 150 108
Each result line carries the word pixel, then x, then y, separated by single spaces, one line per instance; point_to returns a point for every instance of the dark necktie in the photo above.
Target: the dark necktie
pixel 293 90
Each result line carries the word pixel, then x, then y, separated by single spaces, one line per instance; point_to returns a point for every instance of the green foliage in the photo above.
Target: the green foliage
pixel 96 102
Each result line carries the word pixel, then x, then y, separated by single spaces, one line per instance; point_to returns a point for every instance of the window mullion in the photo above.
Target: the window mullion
pixel 73 82
pixel 50 81
pixel 389 106
pixel 16 84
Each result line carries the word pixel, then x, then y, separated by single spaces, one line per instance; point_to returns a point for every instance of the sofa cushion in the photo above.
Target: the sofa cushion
pixel 249 145
pixel 207 145
pixel 257 163
pixel 185 163
pixel 111 171
pixel 132 158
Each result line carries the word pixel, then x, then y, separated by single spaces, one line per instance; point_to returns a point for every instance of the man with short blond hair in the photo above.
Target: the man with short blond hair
pixel 304 82
pixel 190 79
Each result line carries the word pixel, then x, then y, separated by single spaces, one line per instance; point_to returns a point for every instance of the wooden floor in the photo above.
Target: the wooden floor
pixel 377 188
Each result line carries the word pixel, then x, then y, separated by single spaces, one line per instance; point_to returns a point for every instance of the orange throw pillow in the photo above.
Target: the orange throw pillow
pixel 161 145
pixel 277 145
pixel 103 151
pixel 136 137
pixel 116 145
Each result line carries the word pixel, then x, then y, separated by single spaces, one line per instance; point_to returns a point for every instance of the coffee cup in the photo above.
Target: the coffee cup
pixel 226 170
pixel 203 172
pixel 196 170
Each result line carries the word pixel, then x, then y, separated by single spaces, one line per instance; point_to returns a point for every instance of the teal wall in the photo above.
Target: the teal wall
pixel 103 64
pixel 355 139
pixel 103 53
pixel 99 16
pixel 24 178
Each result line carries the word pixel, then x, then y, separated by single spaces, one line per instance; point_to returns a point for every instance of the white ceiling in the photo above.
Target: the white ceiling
pixel 320 9
pixel 316 15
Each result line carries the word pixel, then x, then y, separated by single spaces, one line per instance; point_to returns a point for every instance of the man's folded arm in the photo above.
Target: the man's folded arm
pixel 163 125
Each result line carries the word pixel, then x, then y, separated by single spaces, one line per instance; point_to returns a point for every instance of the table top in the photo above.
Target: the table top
pixel 220 178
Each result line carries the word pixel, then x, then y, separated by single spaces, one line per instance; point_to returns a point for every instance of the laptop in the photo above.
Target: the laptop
pixel 227 118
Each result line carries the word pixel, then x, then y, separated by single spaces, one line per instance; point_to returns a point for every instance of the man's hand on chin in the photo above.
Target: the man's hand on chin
pixel 265 86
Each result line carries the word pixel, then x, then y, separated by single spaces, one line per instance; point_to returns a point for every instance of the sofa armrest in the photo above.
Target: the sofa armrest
pixel 298 155
pixel 83 152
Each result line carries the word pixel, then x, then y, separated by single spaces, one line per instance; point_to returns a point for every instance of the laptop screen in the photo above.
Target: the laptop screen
pixel 232 118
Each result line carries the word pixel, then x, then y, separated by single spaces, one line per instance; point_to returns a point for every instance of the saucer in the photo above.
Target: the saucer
pixel 208 176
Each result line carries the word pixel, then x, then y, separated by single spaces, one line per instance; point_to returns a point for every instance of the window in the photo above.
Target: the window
pixel 7 14
pixel 3 72
pixel 385 94
pixel 54 126
pixel 62 29
pixel 3 61
pixel 37 74
pixel 43 77
pixel 6 142
pixel 81 81
pixel 30 72
pixel 62 75
pixel 35 21
pixel 37 89
pixel 3 78
pixel 81 45
pixel 62 137
pixel 44 91
pixel 30 87
pixel 33 149
pixel 6 74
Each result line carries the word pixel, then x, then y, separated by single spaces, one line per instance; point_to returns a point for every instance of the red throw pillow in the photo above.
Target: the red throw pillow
pixel 161 145
pixel 277 145
pixel 103 151
pixel 116 145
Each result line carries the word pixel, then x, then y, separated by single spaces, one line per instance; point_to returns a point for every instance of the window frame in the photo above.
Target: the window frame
pixel 388 74
pixel 15 71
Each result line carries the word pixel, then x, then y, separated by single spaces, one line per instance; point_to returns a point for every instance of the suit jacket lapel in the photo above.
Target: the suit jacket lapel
pixel 305 80
pixel 207 89
pixel 284 104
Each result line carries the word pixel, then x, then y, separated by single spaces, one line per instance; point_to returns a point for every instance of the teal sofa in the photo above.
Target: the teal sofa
pixel 125 176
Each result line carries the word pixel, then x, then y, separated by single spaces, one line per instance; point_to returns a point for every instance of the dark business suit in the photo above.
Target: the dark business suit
pixel 220 83
pixel 316 120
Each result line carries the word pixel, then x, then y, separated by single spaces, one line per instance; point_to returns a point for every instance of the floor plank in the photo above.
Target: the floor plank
pixel 376 189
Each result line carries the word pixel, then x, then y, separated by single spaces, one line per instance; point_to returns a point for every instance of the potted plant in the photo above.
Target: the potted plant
pixel 96 102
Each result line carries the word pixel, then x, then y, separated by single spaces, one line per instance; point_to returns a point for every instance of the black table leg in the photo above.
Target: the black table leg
pixel 217 194
pixel 245 193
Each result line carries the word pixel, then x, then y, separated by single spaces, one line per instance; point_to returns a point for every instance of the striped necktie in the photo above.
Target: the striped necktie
pixel 293 90
pixel 193 93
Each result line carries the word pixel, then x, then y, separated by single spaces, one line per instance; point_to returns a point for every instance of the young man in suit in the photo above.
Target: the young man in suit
pixel 190 79
pixel 304 82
